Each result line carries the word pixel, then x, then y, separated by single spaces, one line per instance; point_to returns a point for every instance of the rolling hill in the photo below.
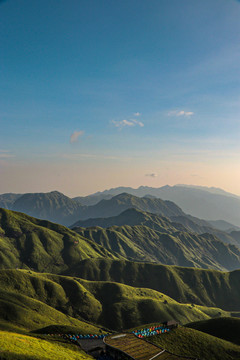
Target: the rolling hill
pixel 198 345
pixel 40 245
pixel 26 242
pixel 108 304
pixel 223 328
pixel 168 246
pixel 185 285
pixel 134 216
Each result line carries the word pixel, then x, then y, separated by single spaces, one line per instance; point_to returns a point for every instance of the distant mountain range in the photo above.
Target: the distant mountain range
pixel 220 208
pixel 202 202
pixel 40 245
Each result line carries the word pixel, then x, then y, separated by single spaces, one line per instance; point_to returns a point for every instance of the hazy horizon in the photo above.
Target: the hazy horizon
pixel 110 188
pixel 96 95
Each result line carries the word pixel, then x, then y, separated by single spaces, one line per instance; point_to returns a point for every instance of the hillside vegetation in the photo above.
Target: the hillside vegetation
pixel 40 245
pixel 26 242
pixel 224 328
pixel 189 342
pixel 15 346
pixel 167 246
pixel 108 304
pixel 186 285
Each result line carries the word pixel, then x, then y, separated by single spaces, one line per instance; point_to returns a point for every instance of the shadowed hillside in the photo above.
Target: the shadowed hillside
pixel 7 200
pixel 52 206
pixel 190 342
pixel 133 216
pixel 223 328
pixel 187 285
pixel 119 203
pixel 108 304
pixel 167 246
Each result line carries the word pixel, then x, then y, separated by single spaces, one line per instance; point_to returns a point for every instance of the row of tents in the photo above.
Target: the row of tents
pixel 154 330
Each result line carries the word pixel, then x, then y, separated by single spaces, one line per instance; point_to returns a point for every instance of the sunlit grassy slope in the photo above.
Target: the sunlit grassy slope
pixel 14 346
pixel 26 242
pixel 189 342
pixel 29 243
pixel 34 300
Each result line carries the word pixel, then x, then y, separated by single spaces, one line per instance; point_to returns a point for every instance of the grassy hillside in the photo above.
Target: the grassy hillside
pixel 40 245
pixel 224 328
pixel 15 346
pixel 26 242
pixel 108 304
pixel 187 285
pixel 167 246
pixel 189 342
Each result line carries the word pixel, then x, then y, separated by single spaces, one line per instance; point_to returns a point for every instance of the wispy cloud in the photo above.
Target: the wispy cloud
pixel 127 123
pixel 75 136
pixel 137 114
pixel 180 113
pixel 153 175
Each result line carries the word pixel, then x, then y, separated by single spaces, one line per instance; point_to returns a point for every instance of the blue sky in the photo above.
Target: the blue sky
pixel 96 94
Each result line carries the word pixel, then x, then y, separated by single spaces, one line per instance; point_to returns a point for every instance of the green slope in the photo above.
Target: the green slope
pixel 166 245
pixel 224 328
pixel 189 342
pixel 14 346
pixel 26 242
pixel 108 304
pixel 204 287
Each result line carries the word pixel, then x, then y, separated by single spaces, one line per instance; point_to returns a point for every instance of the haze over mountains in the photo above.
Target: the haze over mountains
pixel 125 261
pixel 38 245
pixel 202 202
pixel 219 208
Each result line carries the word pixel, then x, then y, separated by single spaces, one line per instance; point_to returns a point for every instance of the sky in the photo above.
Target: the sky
pixel 98 94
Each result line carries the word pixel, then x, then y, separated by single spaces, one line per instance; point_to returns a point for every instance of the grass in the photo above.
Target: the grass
pixel 29 243
pixel 189 342
pixel 33 300
pixel 224 328
pixel 14 346
pixel 186 285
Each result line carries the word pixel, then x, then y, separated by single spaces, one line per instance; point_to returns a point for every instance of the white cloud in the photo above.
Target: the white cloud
pixel 75 135
pixel 153 175
pixel 180 113
pixel 123 123
pixel 137 114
